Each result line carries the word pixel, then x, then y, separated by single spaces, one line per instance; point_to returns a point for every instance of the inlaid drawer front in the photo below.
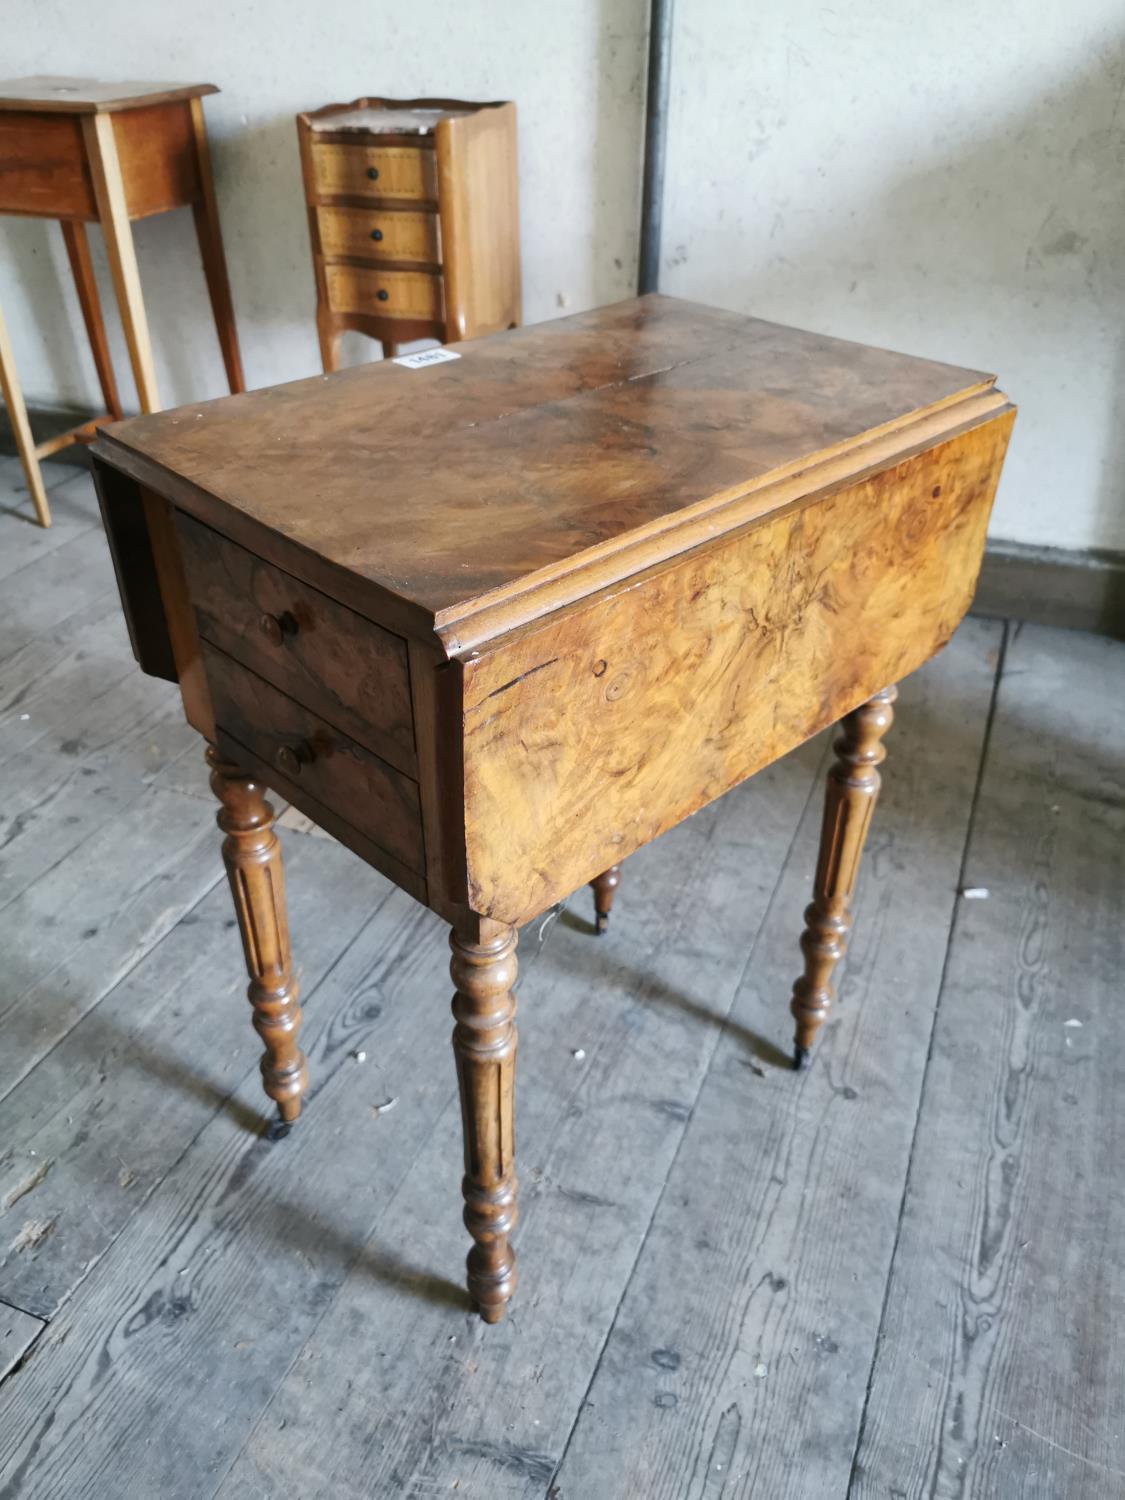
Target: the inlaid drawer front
pixel 379 234
pixel 349 670
pixel 326 766
pixel 375 171
pixel 386 294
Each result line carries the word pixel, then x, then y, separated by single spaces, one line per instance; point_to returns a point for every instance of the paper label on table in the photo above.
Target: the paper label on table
pixel 427 357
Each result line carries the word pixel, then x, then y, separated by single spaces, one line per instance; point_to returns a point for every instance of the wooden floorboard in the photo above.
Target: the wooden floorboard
pixel 1000 1357
pixel 18 1331
pixel 76 931
pixel 38 598
pixel 88 770
pixel 445 1404
pixel 74 510
pixel 191 1319
pixel 379 1195
pixel 738 1361
pixel 97 1125
pixel 895 1276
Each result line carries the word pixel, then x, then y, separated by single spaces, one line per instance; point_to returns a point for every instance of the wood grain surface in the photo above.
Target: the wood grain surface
pixel 380 234
pixel 576 737
pixel 535 449
pixel 18 1332
pixel 995 1374
pixel 286 1313
pixel 337 771
pixel 739 1356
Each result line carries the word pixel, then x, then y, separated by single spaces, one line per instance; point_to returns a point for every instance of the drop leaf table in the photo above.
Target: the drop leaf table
pixel 499 619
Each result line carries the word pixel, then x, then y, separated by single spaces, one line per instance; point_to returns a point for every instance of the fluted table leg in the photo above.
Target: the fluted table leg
pixel 252 856
pixel 853 787
pixel 604 887
pixel 483 968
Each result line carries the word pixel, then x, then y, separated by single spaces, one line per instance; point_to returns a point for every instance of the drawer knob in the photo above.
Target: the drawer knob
pixel 276 627
pixel 376 234
pixel 290 758
pixel 382 294
pixel 373 173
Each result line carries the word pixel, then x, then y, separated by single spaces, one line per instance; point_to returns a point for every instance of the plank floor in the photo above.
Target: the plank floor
pixel 897 1275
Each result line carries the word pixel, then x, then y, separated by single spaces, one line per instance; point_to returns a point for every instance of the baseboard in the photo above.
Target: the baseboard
pixel 1053 586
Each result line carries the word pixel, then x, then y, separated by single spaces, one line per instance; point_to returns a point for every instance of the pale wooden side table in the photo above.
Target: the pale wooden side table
pixel 81 150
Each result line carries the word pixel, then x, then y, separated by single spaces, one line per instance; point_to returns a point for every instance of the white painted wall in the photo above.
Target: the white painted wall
pixel 576 72
pixel 948 180
pixel 945 179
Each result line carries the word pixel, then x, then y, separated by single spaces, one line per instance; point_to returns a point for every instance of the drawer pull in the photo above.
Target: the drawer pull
pixel 290 758
pixel 276 627
pixel 376 234
pixel 382 294
pixel 373 173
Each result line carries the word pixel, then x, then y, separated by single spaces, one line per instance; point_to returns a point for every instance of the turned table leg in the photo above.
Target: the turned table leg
pixel 483 968
pixel 252 856
pixel 853 786
pixel 604 887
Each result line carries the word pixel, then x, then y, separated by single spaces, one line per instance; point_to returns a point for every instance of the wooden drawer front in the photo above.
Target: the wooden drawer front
pixel 351 671
pixel 375 171
pixel 379 234
pixel 156 147
pixel 328 767
pixel 384 294
pixel 43 166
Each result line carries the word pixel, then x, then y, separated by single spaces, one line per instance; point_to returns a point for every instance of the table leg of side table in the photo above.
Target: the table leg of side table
pixel 252 856
pixel 328 333
pixel 483 968
pixel 604 887
pixel 853 787
pixel 113 213
pixel 206 213
pixel 78 253
pixel 21 428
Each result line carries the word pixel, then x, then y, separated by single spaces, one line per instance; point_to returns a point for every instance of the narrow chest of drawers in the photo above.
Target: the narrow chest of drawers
pixel 413 220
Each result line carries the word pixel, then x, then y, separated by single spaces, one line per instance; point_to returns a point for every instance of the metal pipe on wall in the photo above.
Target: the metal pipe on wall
pixel 656 134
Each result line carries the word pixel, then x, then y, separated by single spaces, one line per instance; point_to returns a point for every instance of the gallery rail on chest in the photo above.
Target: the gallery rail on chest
pixel 614 565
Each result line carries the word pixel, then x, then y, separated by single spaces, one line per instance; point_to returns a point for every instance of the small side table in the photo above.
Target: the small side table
pixel 80 150
pixel 414 220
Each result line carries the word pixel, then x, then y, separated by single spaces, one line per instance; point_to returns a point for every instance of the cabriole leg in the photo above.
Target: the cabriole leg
pixel 853 787
pixel 483 968
pixel 252 856
pixel 604 886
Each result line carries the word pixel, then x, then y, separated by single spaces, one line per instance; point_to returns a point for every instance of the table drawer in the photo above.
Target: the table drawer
pixel 349 670
pixel 384 294
pixel 380 234
pixel 326 767
pixel 43 166
pixel 375 171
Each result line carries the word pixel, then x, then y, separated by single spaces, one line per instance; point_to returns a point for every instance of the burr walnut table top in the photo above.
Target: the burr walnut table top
pixel 551 460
